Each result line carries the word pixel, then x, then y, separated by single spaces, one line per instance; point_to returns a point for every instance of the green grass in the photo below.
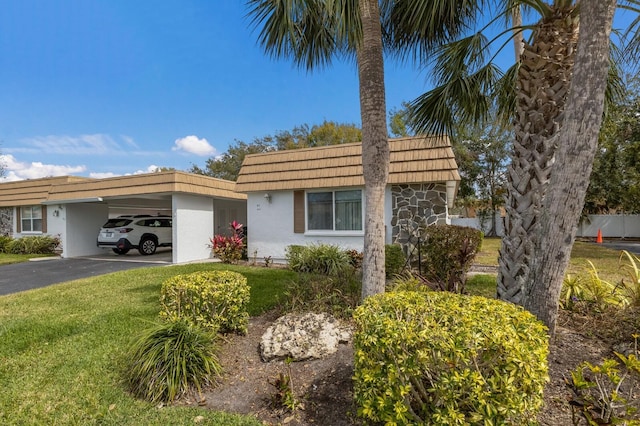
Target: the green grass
pixel 7 258
pixel 605 260
pixel 62 348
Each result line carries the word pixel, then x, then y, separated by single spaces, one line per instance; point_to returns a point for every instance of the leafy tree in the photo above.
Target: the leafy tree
pixel 483 153
pixel 327 133
pixel 615 180
pixel 568 44
pixel 227 166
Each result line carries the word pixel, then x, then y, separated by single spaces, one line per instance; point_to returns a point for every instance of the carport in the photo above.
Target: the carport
pixel 200 206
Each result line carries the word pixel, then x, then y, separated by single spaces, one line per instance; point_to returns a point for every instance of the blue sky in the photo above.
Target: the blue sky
pixel 112 87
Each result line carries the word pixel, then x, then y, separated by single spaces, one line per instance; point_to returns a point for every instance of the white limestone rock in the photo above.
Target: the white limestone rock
pixel 303 336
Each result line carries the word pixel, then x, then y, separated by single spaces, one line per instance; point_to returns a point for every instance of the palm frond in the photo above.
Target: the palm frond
pixel 467 53
pixel 505 97
pixel 298 29
pixel 465 98
pixel 415 27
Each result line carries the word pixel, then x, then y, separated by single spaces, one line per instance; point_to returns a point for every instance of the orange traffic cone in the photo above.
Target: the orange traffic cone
pixel 599 237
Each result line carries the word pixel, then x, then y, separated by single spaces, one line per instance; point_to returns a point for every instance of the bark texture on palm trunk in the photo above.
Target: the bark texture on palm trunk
pixel 375 145
pixel 577 142
pixel 544 78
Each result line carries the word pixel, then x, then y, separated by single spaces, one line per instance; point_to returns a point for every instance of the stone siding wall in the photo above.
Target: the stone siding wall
pixel 415 207
pixel 6 221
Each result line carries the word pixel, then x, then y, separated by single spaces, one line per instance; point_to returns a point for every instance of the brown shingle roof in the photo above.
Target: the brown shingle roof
pixel 69 188
pixel 32 191
pixel 413 160
pixel 151 183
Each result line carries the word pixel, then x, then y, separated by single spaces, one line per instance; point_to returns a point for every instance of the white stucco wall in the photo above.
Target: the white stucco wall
pixel 225 212
pixel 56 220
pixel 270 228
pixel 81 223
pixel 192 227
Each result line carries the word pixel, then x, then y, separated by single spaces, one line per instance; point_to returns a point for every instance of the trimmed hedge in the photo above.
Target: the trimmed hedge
pixel 216 300
pixel 32 244
pixel 447 359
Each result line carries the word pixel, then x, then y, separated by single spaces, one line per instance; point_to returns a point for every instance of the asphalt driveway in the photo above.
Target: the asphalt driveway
pixel 41 273
pixel 632 246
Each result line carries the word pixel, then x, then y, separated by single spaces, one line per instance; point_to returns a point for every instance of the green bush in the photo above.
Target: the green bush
pixel 338 295
pixel 166 360
pixel 447 254
pixel 447 359
pixel 33 244
pixel 394 259
pixel 5 240
pixel 325 259
pixel 216 300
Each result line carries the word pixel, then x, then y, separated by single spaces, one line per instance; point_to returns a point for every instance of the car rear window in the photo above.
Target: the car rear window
pixel 117 222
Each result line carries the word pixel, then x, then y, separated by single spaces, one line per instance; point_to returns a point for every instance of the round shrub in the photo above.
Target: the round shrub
pixel 216 300
pixel 166 360
pixel 447 359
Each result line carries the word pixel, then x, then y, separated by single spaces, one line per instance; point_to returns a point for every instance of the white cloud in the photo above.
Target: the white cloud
pixel 151 169
pixel 103 175
pixel 17 170
pixel 95 144
pixel 194 145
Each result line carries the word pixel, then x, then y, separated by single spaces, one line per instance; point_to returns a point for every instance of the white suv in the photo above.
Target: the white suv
pixel 143 232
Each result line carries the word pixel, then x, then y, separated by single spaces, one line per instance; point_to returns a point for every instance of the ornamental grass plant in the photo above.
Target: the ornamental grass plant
pixel 170 358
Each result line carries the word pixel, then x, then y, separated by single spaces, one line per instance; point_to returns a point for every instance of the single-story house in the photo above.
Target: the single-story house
pixel 316 195
pixel 75 208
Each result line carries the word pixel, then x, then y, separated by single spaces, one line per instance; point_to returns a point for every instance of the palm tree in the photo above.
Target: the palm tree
pixel 532 95
pixel 312 32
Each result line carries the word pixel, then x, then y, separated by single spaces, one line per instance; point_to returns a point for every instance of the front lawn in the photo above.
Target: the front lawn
pixel 604 259
pixel 62 347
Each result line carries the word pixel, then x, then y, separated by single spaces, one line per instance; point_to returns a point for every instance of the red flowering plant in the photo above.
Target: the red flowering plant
pixel 229 249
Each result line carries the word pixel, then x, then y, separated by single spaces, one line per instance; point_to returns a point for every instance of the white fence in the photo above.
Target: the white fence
pixel 612 226
pixel 474 222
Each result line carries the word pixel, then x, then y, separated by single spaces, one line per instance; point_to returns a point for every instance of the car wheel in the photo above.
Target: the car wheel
pixel 120 251
pixel 147 246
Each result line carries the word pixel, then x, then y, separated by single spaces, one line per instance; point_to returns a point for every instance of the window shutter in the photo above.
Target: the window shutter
pixel 44 219
pixel 18 220
pixel 298 212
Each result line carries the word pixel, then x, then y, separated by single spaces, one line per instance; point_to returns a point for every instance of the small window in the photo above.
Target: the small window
pixel 334 211
pixel 31 218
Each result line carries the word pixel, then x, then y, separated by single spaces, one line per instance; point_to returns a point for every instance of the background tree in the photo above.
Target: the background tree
pixel 227 166
pixel 483 152
pixel 615 179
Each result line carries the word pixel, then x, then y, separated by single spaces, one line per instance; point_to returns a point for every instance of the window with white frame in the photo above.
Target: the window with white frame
pixel 334 210
pixel 31 218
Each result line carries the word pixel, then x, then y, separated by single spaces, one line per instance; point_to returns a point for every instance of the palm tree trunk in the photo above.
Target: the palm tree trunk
pixel 577 143
pixel 375 146
pixel 544 78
